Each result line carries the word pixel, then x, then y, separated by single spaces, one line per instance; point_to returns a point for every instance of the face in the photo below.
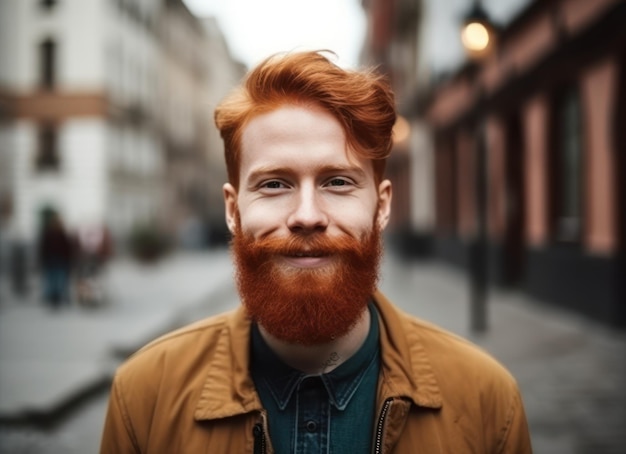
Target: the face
pixel 307 218
pixel 298 175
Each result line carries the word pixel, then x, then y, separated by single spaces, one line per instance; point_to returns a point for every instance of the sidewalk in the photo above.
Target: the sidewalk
pixel 52 358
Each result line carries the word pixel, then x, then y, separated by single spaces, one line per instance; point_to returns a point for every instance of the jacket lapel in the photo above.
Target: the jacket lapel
pixel 406 369
pixel 228 388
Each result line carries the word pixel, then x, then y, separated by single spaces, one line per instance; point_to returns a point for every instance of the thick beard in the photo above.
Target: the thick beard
pixel 307 306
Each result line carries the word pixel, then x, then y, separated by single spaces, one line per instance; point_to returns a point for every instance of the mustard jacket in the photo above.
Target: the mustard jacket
pixel 190 392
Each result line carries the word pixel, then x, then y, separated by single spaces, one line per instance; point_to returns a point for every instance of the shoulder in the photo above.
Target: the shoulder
pixel 454 362
pixel 185 350
pixel 449 352
pixel 180 337
pixel 164 382
pixel 475 394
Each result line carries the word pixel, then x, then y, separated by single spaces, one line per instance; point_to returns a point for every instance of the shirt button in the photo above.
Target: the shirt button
pixel 311 426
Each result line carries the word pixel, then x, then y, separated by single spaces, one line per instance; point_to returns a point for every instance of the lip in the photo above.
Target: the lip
pixel 306 261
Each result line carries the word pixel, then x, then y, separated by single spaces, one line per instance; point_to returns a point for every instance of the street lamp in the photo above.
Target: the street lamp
pixel 478 38
pixel 477 32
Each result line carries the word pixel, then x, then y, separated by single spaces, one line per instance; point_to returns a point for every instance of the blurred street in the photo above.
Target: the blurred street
pixel 507 162
pixel 55 366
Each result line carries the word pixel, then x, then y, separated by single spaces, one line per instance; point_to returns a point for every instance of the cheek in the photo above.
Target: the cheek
pixel 258 221
pixel 357 218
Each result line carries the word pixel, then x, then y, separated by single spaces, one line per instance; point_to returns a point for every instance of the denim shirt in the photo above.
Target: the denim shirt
pixel 326 413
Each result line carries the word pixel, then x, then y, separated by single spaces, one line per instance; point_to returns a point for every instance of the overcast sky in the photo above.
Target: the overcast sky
pixel 255 29
pixel 442 42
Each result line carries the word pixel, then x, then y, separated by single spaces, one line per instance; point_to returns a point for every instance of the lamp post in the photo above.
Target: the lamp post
pixel 477 32
pixel 478 38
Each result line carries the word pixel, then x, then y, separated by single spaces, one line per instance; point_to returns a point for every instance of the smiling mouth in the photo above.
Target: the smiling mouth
pixel 309 259
pixel 307 254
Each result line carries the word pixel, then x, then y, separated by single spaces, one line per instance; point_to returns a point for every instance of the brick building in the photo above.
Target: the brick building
pixel 530 147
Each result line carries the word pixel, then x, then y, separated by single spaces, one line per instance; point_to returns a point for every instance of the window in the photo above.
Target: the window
pixel 47 63
pixel 568 165
pixel 47 4
pixel 47 152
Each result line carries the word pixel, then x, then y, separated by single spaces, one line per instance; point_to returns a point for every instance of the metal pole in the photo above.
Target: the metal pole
pixel 478 249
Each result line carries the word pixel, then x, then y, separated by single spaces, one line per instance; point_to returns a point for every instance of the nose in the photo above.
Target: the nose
pixel 308 214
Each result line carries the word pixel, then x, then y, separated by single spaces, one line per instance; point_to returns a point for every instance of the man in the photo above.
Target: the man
pixel 315 360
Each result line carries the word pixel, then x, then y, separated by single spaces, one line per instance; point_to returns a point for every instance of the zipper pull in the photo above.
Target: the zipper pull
pixel 259 438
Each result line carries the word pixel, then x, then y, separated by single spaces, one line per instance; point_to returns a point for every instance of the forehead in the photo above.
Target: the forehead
pixel 296 132
pixel 289 122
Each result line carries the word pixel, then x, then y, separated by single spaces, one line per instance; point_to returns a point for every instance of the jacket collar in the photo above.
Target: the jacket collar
pixel 281 380
pixel 229 390
pixel 406 368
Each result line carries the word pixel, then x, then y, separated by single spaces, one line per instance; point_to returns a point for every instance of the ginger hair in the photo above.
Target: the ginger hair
pixel 362 102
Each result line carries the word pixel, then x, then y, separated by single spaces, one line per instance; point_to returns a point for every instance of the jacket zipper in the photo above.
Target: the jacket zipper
pixel 259 438
pixel 378 440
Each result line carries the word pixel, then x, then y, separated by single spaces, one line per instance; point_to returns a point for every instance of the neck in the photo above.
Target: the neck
pixel 321 358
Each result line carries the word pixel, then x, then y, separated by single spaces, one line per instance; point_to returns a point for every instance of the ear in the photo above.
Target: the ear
pixel 384 204
pixel 230 201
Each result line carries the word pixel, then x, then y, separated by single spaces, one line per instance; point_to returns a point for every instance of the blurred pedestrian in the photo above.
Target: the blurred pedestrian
pixel 316 359
pixel 56 250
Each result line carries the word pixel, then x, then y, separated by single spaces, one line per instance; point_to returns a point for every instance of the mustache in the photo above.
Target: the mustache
pixel 309 244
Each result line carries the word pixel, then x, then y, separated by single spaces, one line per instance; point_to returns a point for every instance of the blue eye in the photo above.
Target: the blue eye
pixel 338 182
pixel 273 184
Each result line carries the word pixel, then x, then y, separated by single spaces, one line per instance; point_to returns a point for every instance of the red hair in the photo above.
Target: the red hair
pixel 362 101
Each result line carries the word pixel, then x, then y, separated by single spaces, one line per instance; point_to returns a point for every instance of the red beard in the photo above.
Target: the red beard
pixel 307 306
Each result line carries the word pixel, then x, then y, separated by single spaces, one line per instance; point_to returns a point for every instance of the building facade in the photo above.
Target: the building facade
pixel 77 80
pixel 392 44
pixel 105 114
pixel 529 148
pixel 222 75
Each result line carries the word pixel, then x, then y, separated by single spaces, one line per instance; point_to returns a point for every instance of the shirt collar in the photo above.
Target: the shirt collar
pixel 341 383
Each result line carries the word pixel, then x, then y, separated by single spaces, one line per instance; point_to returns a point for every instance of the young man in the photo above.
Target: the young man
pixel 315 360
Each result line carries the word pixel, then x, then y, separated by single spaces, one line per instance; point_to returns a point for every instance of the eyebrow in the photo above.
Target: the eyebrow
pixel 323 169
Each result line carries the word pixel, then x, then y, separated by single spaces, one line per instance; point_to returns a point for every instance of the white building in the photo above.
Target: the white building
pixel 103 112
pixel 223 75
pixel 78 79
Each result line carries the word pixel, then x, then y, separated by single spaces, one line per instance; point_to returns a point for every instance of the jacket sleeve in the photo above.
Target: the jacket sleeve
pixel 515 434
pixel 118 436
